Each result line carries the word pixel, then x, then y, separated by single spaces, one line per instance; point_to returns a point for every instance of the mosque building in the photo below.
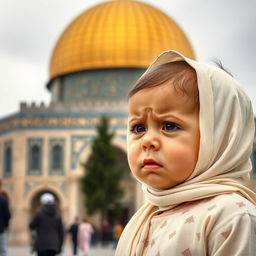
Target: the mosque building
pixel 93 65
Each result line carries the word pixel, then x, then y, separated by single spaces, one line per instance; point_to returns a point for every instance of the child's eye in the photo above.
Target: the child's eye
pixel 138 128
pixel 170 126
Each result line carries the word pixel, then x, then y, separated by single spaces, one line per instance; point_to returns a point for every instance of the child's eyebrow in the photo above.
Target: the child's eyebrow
pixel 170 117
pixel 167 116
pixel 132 120
pixel 138 116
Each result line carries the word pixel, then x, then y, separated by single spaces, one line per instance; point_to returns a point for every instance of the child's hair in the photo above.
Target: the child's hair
pixel 180 74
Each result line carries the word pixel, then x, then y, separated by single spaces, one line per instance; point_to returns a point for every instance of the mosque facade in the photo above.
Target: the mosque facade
pixel 93 65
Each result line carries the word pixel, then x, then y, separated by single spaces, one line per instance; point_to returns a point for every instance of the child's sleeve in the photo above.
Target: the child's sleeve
pixel 236 236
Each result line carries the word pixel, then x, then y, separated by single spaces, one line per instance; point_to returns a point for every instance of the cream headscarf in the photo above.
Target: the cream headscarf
pixel 226 139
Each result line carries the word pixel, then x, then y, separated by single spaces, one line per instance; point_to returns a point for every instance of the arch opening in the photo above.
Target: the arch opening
pixel 36 204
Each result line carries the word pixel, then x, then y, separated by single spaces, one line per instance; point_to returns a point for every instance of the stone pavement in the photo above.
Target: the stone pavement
pixel 94 251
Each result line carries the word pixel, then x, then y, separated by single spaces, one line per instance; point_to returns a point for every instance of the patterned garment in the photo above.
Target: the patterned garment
pixel 221 226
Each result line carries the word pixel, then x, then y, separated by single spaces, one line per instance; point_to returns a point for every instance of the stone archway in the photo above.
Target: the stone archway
pixel 34 205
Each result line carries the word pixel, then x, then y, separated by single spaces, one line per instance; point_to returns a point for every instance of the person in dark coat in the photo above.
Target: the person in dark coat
pixel 105 233
pixel 73 231
pixel 49 228
pixel 4 222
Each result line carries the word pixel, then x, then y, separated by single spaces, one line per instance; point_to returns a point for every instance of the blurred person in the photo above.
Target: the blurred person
pixel 5 216
pixel 48 226
pixel 95 235
pixel 73 231
pixel 118 229
pixel 85 231
pixel 105 232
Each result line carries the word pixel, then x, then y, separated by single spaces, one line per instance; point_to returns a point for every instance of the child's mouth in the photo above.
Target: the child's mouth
pixel 150 164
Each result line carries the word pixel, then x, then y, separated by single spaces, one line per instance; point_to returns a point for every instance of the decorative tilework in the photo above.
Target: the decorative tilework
pixel 28 186
pixel 78 144
pixel 60 121
pixel 102 84
pixel 60 185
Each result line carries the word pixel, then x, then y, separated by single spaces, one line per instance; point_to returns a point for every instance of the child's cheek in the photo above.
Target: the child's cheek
pixel 132 155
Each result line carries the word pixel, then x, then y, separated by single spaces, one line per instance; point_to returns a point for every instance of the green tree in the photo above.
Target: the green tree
pixel 101 183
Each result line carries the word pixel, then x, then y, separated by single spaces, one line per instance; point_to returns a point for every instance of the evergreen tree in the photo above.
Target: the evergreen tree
pixel 101 183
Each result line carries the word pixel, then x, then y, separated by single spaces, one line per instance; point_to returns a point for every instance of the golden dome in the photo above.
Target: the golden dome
pixel 120 33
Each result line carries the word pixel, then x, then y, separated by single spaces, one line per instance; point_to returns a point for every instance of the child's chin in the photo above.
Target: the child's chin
pixel 160 187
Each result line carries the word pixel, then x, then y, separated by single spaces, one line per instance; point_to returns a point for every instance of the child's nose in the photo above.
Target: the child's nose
pixel 150 141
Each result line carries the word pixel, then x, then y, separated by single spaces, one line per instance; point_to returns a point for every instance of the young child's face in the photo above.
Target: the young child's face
pixel 163 136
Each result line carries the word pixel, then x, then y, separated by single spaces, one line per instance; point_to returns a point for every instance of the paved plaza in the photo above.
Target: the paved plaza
pixel 94 251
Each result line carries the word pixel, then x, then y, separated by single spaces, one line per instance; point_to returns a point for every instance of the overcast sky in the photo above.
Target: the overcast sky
pixel 29 29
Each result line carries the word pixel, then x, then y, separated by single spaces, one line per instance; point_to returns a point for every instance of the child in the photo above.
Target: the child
pixel 85 231
pixel 190 136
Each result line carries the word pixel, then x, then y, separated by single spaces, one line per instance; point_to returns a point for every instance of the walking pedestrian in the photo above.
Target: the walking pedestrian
pixel 49 228
pixel 73 231
pixel 85 231
pixel 4 222
pixel 104 233
pixel 95 236
pixel 118 229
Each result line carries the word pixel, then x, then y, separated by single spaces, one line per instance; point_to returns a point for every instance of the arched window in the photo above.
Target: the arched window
pixel 57 158
pixel 35 158
pixel 8 161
